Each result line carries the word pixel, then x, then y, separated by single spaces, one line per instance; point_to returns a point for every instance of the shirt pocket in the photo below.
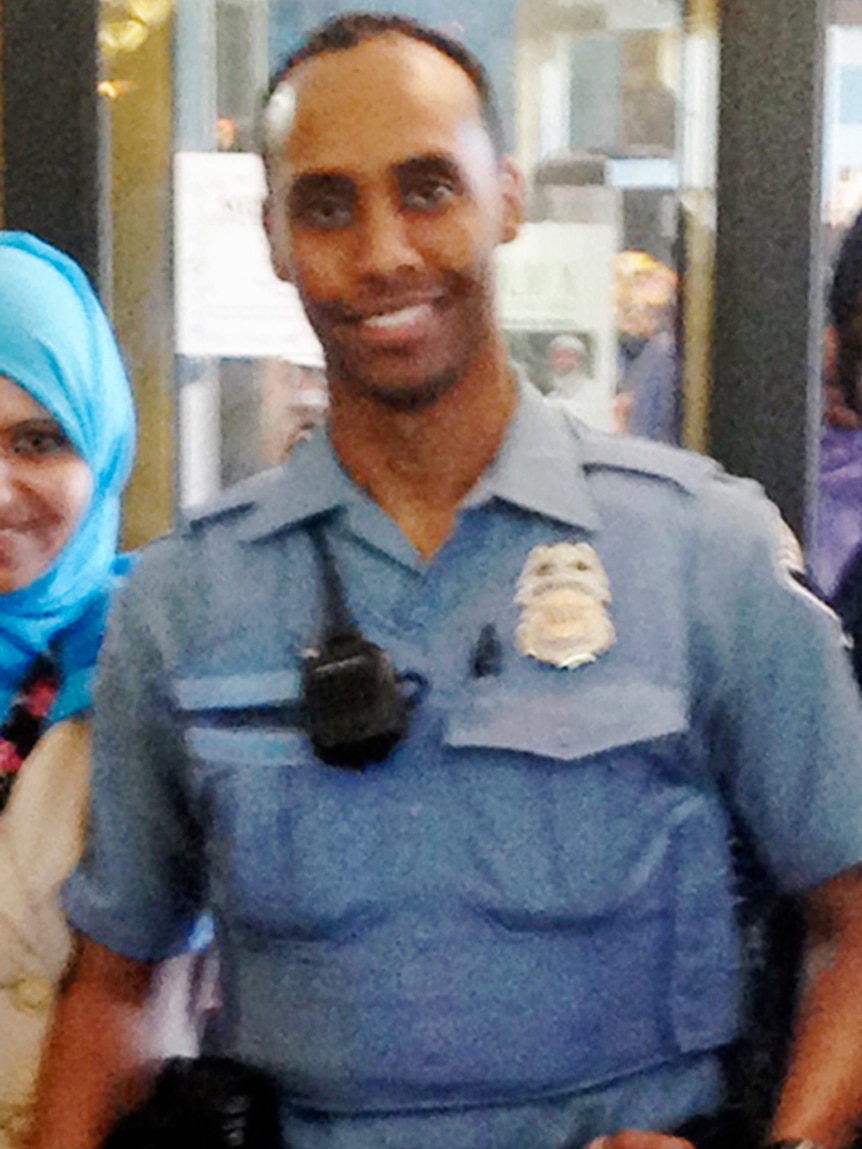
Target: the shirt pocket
pixel 593 825
pixel 286 837
pixel 576 803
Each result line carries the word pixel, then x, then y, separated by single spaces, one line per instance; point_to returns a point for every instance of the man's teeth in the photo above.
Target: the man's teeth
pixel 397 318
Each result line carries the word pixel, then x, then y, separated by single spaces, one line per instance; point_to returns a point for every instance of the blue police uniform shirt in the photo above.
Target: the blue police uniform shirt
pixel 518 929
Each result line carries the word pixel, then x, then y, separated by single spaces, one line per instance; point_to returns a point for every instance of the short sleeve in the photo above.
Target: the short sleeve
pixel 139 888
pixel 781 711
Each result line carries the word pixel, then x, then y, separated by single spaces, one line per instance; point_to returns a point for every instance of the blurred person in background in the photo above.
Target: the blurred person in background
pixel 836 553
pixel 567 378
pixel 838 531
pixel 567 366
pixel 67 433
pixel 648 393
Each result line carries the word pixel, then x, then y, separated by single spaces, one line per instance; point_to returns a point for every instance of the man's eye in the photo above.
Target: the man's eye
pixel 326 214
pixel 429 194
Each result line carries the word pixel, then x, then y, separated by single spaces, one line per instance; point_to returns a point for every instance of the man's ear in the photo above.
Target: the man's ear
pixel 279 241
pixel 512 185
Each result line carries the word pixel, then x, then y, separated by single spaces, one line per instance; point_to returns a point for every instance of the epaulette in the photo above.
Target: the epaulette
pixel 686 469
pixel 240 497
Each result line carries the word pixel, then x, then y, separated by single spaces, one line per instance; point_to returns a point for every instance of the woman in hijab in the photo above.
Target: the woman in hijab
pixel 67 433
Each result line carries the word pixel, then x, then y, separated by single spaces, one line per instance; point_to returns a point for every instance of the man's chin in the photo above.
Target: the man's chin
pixel 409 397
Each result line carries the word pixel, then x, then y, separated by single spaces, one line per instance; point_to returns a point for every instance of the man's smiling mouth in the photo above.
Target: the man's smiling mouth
pixel 404 317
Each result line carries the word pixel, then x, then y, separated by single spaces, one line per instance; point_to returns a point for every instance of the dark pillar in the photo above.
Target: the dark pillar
pixel 53 179
pixel 765 402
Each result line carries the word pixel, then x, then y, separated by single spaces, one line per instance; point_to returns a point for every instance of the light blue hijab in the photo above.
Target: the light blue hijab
pixel 56 343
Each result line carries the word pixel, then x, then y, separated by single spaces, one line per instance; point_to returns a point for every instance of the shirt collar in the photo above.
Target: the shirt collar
pixel 312 484
pixel 538 468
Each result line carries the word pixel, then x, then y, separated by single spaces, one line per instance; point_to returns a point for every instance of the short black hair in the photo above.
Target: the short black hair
pixel 846 285
pixel 350 29
pixel 844 303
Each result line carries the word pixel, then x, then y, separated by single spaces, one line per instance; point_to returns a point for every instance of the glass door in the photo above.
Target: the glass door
pixel 838 531
pixel 610 109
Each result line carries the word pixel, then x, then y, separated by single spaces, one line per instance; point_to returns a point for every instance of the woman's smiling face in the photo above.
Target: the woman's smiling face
pixel 45 488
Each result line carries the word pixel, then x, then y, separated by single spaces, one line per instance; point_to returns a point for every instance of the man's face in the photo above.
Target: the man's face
pixel 387 203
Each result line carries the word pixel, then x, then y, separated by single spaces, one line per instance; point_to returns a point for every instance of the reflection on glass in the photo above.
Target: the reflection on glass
pixel 601 109
pixel 598 123
pixel 648 393
pixel 835 549
pixel 135 42
pixel 125 25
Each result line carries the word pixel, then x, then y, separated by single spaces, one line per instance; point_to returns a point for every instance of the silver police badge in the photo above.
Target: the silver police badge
pixel 563 593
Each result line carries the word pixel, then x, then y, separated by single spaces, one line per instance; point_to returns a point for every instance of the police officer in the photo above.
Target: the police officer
pixel 492 905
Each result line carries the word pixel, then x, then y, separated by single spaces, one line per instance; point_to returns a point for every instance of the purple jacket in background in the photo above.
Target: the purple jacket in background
pixel 839 506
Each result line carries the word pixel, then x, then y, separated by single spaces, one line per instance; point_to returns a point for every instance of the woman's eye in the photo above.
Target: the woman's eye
pixel 38 443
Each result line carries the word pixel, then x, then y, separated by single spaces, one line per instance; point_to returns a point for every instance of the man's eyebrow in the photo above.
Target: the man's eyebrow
pixel 315 183
pixel 430 163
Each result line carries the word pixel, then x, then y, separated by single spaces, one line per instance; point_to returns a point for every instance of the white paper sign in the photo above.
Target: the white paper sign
pixel 556 301
pixel 229 301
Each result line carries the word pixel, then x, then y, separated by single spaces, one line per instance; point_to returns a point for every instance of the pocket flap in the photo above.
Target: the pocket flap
pixel 238 691
pixel 577 724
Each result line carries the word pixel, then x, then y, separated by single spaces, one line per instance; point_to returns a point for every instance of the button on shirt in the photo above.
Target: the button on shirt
pixel 517 930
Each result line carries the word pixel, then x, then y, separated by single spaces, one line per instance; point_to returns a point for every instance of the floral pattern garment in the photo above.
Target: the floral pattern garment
pixel 25 722
pixel 41 831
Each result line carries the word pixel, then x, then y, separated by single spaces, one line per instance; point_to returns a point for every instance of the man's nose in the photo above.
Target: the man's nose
pixel 385 243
